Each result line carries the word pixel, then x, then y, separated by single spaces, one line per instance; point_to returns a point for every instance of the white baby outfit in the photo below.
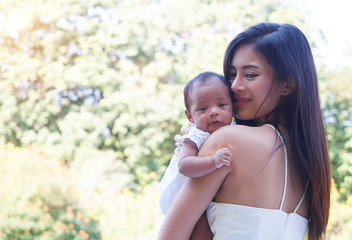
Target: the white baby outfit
pixel 231 221
pixel 172 180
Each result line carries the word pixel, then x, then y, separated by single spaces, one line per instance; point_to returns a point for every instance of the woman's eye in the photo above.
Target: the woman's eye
pixel 233 76
pixel 251 75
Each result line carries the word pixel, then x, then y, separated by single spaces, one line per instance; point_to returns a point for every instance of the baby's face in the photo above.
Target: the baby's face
pixel 210 106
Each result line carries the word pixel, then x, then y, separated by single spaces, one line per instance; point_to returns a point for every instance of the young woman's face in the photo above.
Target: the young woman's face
pixel 251 78
pixel 210 106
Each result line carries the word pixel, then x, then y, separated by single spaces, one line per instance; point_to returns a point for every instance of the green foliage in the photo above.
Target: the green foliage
pixel 338 121
pixel 134 216
pixel 340 221
pixel 39 199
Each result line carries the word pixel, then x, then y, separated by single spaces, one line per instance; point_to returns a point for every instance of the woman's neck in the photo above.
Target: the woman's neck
pixel 251 123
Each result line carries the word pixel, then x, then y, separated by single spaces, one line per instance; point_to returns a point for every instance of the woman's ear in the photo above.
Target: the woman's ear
pixel 288 87
pixel 189 116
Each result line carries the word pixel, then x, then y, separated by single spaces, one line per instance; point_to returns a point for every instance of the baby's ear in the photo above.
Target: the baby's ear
pixel 288 87
pixel 189 116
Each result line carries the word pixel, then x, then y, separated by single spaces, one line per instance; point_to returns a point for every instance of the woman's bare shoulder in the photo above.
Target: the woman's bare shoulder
pixel 240 137
pixel 242 133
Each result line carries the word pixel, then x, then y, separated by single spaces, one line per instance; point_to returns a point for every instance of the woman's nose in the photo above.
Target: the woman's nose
pixel 237 85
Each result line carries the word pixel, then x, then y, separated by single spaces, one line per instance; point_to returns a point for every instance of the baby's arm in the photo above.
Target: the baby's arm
pixel 191 165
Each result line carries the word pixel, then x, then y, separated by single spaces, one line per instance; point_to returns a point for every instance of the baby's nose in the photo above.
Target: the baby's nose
pixel 213 111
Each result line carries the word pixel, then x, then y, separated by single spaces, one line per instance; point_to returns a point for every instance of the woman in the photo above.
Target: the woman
pixel 278 183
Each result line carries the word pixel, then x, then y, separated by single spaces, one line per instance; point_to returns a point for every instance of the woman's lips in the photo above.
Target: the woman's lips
pixel 239 102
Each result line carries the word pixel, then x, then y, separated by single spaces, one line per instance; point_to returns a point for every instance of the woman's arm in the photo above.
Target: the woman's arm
pixel 194 196
pixel 190 203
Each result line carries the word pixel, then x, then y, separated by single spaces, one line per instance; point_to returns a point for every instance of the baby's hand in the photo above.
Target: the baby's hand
pixel 184 131
pixel 178 138
pixel 222 157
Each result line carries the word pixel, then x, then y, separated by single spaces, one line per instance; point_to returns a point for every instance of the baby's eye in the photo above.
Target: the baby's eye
pixel 222 105
pixel 202 109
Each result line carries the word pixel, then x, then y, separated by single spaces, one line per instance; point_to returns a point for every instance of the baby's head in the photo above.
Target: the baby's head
pixel 209 101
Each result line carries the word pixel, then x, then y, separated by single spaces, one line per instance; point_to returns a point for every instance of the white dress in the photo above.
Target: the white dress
pixel 231 221
pixel 172 180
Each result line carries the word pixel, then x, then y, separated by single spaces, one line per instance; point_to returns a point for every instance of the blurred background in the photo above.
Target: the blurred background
pixel 91 98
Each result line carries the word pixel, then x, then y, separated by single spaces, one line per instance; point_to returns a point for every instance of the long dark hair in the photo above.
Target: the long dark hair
pixel 287 51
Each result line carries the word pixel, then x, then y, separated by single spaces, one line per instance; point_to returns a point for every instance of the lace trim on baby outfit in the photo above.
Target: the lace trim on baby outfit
pixel 195 135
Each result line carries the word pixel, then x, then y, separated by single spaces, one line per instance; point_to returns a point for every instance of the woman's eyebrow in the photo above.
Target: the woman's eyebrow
pixel 245 67
pixel 250 66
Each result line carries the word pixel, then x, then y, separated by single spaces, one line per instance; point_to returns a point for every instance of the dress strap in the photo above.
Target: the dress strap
pixel 302 198
pixel 285 183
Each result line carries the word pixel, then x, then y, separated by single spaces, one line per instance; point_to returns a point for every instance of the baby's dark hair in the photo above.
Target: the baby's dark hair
pixel 203 78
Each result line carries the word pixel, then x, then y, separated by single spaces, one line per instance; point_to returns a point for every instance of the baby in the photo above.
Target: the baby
pixel 209 106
